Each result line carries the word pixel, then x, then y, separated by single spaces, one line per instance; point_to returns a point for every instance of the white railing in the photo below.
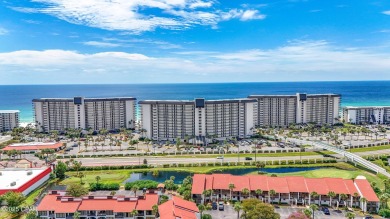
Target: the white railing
pixel 348 155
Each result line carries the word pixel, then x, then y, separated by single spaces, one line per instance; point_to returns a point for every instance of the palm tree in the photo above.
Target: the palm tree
pixel 355 196
pixel 135 189
pixel 201 208
pixel 350 215
pixel 76 215
pixel 343 197
pixel 237 207
pixel 313 195
pixel 271 193
pixel 231 187
pixel 97 179
pixel 258 192
pixel 313 208
pixel 155 210
pixel 134 213
pixel 207 193
pixel 364 200
pixel 384 198
pixel 245 192
pixel 331 195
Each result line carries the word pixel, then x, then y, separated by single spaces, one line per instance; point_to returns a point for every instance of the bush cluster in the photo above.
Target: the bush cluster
pixel 148 184
pixel 103 186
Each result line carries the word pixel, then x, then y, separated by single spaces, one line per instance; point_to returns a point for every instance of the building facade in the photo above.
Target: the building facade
pixel 84 113
pixel 284 110
pixel 168 120
pixel 9 119
pixel 367 114
pixel 57 205
pixel 289 190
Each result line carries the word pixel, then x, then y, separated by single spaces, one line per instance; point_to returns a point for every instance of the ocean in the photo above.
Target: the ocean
pixel 354 93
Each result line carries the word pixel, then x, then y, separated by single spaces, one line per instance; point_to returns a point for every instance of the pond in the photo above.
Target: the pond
pixel 179 176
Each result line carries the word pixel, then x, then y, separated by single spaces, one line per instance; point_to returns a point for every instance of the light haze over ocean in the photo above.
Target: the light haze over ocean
pixel 357 93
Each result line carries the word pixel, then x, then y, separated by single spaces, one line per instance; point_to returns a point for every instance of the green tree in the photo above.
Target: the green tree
pixel 331 195
pixel 76 215
pixel 255 209
pixel 76 190
pixel 134 213
pixel 31 215
pixel 155 210
pixel 60 170
pixel 237 207
pixel 201 208
pixel 245 192
pixel 14 199
pixel 313 208
pixel 350 215
pixel 97 178
pixel 231 187
pixel 272 193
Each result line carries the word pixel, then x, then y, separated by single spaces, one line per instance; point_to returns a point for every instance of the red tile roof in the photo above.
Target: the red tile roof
pixel 336 185
pixel 366 190
pixel 296 184
pixel 148 202
pixel 317 185
pixel 258 182
pixel 279 184
pixel 50 203
pixel 178 208
pixel 199 186
pixel 283 184
pixel 33 147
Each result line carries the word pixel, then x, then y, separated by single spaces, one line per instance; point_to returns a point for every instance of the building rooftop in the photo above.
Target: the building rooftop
pixel 178 208
pixel 365 107
pixel 9 111
pixel 286 184
pixel 60 203
pixel 15 178
pixel 85 99
pixel 33 146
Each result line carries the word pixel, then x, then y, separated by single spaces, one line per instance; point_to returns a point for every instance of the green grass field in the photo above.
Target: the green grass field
pixel 342 170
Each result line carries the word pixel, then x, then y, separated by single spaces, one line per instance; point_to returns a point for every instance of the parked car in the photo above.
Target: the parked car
pixel 220 157
pixel 368 217
pixel 325 210
pixel 221 206
pixel 248 158
pixel 214 206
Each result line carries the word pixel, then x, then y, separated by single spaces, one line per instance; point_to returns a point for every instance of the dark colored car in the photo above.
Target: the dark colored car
pixel 248 158
pixel 214 206
pixel 368 217
pixel 325 210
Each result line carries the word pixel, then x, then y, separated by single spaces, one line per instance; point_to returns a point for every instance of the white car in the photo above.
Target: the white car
pixel 220 157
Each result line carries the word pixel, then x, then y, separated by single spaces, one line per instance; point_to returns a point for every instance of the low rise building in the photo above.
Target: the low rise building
pixel 84 113
pixel 178 208
pixel 33 147
pixel 56 205
pixel 367 114
pixel 287 190
pixel 9 119
pixel 23 180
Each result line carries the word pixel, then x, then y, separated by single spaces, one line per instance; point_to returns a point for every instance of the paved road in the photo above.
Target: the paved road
pixel 169 160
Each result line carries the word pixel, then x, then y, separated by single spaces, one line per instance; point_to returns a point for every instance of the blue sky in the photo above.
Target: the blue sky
pixel 169 41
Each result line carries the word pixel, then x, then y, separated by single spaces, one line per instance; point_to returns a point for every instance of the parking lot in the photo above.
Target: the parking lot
pixel 229 213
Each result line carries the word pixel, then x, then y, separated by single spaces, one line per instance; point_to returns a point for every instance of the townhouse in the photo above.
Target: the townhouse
pixel 56 205
pixel 178 208
pixel 294 190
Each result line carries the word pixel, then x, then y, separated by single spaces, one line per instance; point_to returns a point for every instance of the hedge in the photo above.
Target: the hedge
pixel 148 184
pixel 103 186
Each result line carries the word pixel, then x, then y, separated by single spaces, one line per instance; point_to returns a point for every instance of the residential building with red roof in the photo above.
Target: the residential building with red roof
pixel 288 190
pixel 33 147
pixel 178 208
pixel 57 205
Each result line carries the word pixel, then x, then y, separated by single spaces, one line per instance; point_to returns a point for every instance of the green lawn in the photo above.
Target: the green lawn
pixel 376 148
pixel 342 170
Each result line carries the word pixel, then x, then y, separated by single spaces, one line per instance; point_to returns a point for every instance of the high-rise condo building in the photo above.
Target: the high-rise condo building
pixel 84 113
pixel 9 119
pixel 367 114
pixel 170 119
pixel 284 110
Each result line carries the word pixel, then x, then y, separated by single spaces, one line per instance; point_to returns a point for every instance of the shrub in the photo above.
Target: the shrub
pixel 103 186
pixel 148 184
pixel 384 213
